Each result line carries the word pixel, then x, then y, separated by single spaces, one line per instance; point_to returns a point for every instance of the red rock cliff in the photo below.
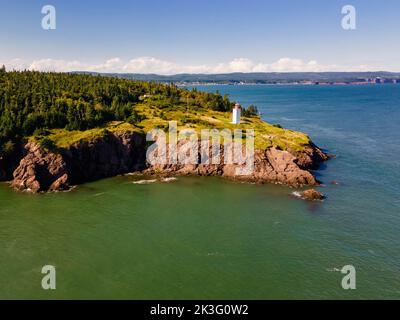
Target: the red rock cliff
pixel 119 153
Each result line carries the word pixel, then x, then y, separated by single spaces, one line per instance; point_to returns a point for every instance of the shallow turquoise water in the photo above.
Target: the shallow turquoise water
pixel 204 238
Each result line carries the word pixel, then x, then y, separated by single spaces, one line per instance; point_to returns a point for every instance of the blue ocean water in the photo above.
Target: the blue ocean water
pixel 209 238
pixel 361 125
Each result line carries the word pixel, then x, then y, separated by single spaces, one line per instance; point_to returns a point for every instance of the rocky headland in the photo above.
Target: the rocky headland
pixel 41 170
pixel 85 128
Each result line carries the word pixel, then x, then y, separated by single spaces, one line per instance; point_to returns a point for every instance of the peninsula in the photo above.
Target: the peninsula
pixel 58 130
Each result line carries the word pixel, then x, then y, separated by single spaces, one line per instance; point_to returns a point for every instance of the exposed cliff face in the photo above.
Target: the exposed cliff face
pixel 40 171
pixel 310 158
pixel 115 154
pixel 120 153
pixel 270 166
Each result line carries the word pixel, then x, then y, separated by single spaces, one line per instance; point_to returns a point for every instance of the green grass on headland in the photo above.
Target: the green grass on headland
pixel 266 135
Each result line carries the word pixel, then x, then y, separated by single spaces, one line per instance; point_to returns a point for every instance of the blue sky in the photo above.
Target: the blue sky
pixel 200 36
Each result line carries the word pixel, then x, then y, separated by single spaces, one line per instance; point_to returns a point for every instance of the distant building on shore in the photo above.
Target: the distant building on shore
pixel 236 113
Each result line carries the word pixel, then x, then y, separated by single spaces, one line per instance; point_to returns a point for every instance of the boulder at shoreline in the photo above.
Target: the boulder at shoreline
pixel 312 195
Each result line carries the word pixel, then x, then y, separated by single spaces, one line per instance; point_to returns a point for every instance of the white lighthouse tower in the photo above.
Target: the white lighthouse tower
pixel 236 113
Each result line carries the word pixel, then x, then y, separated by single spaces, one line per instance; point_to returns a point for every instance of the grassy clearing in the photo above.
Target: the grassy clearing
pixel 63 139
pixel 266 135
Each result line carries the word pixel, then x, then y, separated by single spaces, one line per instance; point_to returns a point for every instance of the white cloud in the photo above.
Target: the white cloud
pixel 154 65
pixel 236 65
pixel 150 65
pixel 55 65
pixel 111 65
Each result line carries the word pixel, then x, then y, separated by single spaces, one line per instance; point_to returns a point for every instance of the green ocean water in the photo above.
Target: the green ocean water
pixel 208 238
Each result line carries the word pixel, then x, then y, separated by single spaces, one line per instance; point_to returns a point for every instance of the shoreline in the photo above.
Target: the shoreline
pixel 323 84
pixel 121 153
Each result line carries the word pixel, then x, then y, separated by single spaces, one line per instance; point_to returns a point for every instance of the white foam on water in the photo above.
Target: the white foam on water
pixel 70 189
pixel 99 194
pixel 144 181
pixel 334 269
pixel 291 119
pixel 296 194
pixel 131 174
pixel 170 179
pixel 215 254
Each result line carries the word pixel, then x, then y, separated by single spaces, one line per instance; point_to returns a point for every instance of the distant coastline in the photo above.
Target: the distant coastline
pixel 191 84
pixel 262 78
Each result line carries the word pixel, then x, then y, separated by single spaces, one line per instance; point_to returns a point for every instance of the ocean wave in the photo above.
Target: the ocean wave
pixel 297 194
pixel 169 179
pixel 291 119
pixel 145 181
pixel 334 269
pixel 131 174
pixel 72 188
pixel 98 194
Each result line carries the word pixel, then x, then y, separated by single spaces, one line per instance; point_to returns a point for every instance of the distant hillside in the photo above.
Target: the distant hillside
pixel 260 77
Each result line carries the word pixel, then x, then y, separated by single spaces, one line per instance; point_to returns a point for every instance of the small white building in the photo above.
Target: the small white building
pixel 236 113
